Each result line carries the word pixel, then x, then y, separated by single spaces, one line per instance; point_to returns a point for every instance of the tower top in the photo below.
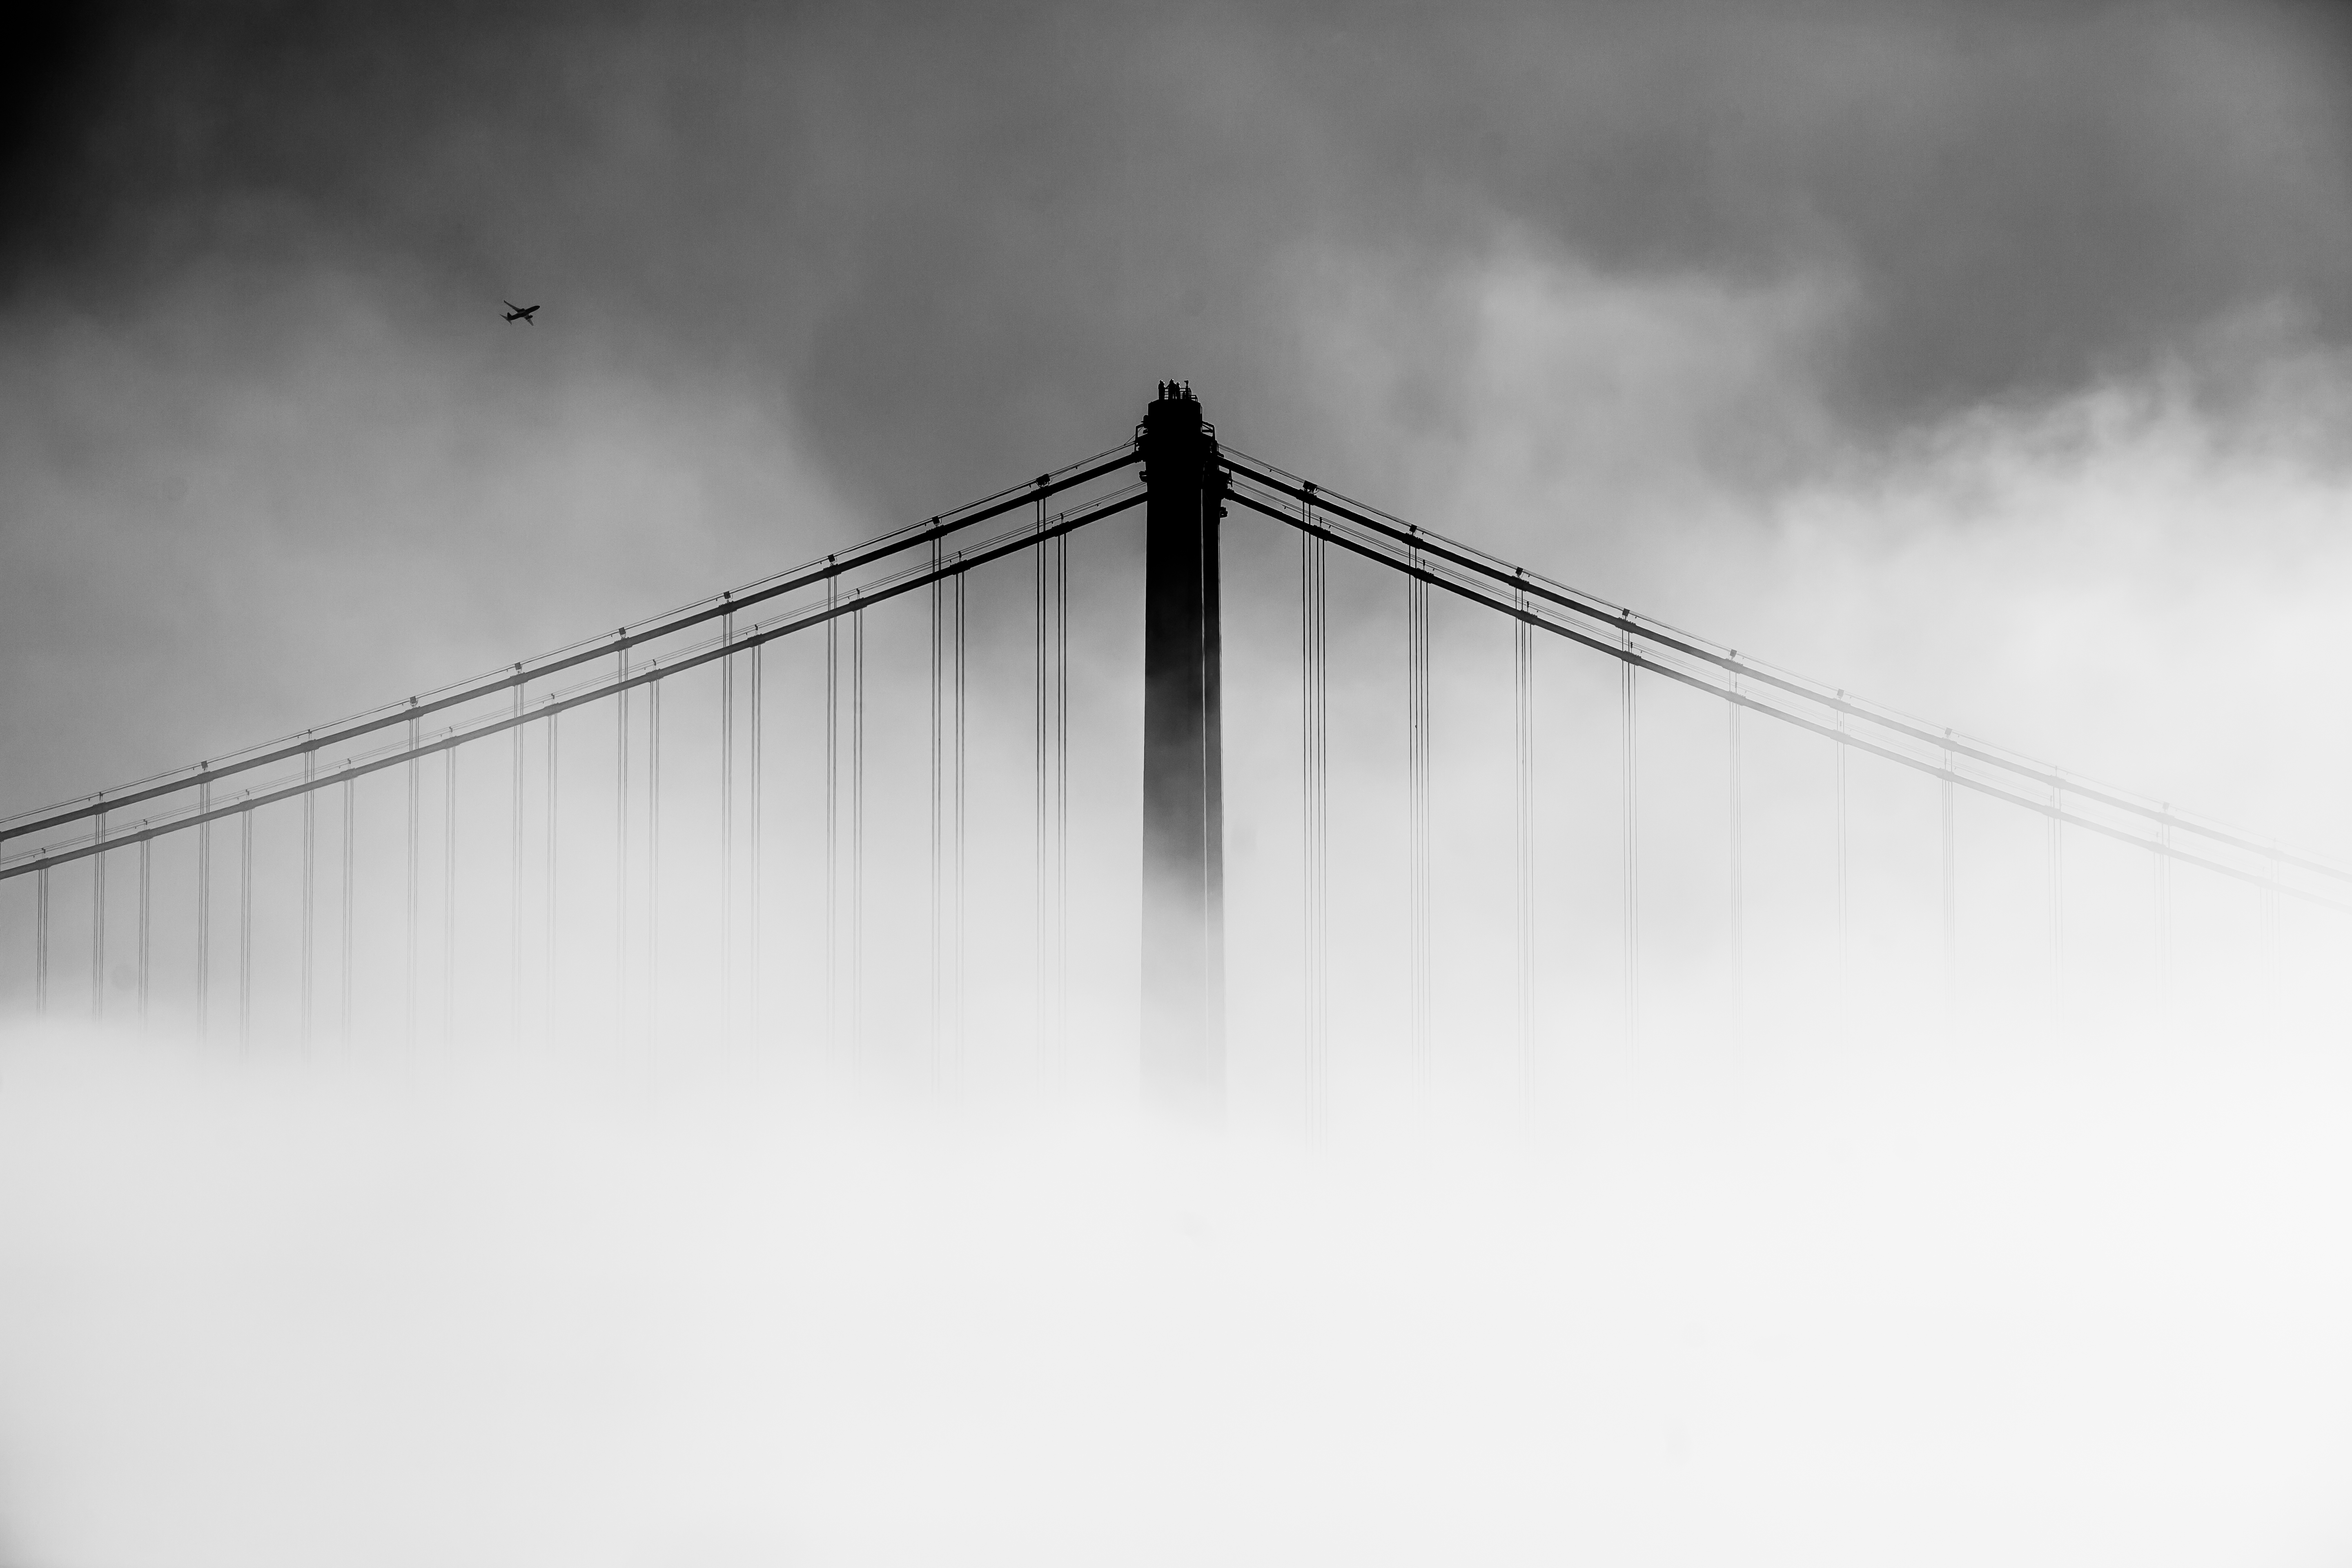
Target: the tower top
pixel 1174 417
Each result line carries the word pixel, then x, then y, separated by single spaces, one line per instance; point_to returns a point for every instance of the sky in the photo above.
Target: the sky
pixel 1990 360
pixel 1814 329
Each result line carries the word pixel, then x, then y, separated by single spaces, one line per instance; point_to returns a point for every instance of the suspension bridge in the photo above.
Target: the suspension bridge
pixel 853 831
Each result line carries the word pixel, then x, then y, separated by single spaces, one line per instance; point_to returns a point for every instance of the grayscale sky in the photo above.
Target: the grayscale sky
pixel 1897 342
pixel 1989 359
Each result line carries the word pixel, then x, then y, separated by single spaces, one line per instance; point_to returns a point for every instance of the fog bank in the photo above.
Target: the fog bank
pixel 2029 1300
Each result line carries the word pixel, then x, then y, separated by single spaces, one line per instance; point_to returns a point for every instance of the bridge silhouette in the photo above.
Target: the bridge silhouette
pixel 510 727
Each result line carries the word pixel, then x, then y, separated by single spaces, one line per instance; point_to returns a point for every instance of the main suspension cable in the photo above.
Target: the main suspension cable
pixel 1438 552
pixel 1102 464
pixel 1616 647
pixel 596 692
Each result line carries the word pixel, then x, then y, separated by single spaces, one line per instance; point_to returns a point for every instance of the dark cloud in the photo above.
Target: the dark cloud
pixel 992 224
pixel 58 87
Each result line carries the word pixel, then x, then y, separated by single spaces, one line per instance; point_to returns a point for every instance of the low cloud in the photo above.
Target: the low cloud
pixel 2138 581
pixel 2035 1301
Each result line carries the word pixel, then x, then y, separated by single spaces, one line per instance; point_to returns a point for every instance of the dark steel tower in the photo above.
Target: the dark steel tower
pixel 1183 771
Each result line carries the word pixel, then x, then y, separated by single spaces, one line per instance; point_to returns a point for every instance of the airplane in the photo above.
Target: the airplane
pixel 522 313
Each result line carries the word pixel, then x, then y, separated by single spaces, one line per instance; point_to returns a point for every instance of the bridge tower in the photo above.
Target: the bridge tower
pixel 1183 773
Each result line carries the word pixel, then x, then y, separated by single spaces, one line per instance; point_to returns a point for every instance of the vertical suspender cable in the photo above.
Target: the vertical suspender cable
pixel 2057 899
pixel 1062 791
pixel 938 716
pixel 97 920
pixel 146 889
pixel 1417 755
pixel 514 893
pixel 758 955
pixel 1323 816
pixel 2273 963
pixel 1739 864
pixel 245 928
pixel 832 811
pixel 1313 804
pixel 2271 913
pixel 310 888
pixel 448 895
pixel 857 831
pixel 1322 840
pixel 98 923
pixel 957 949
pixel 1523 820
pixel 1843 970
pixel 727 825
pixel 1951 887
pixel 621 842
pixel 2270 896
pixel 1631 915
pixel 550 948
pixel 41 943
pixel 1313 1065
pixel 653 859
pixel 1039 871
pixel 351 831
pixel 412 874
pixel 2164 901
pixel 204 904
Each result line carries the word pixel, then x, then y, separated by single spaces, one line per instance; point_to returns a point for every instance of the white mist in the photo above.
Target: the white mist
pixel 2026 1300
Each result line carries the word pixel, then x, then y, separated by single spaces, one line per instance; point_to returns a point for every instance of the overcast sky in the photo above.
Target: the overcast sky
pixel 1886 341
